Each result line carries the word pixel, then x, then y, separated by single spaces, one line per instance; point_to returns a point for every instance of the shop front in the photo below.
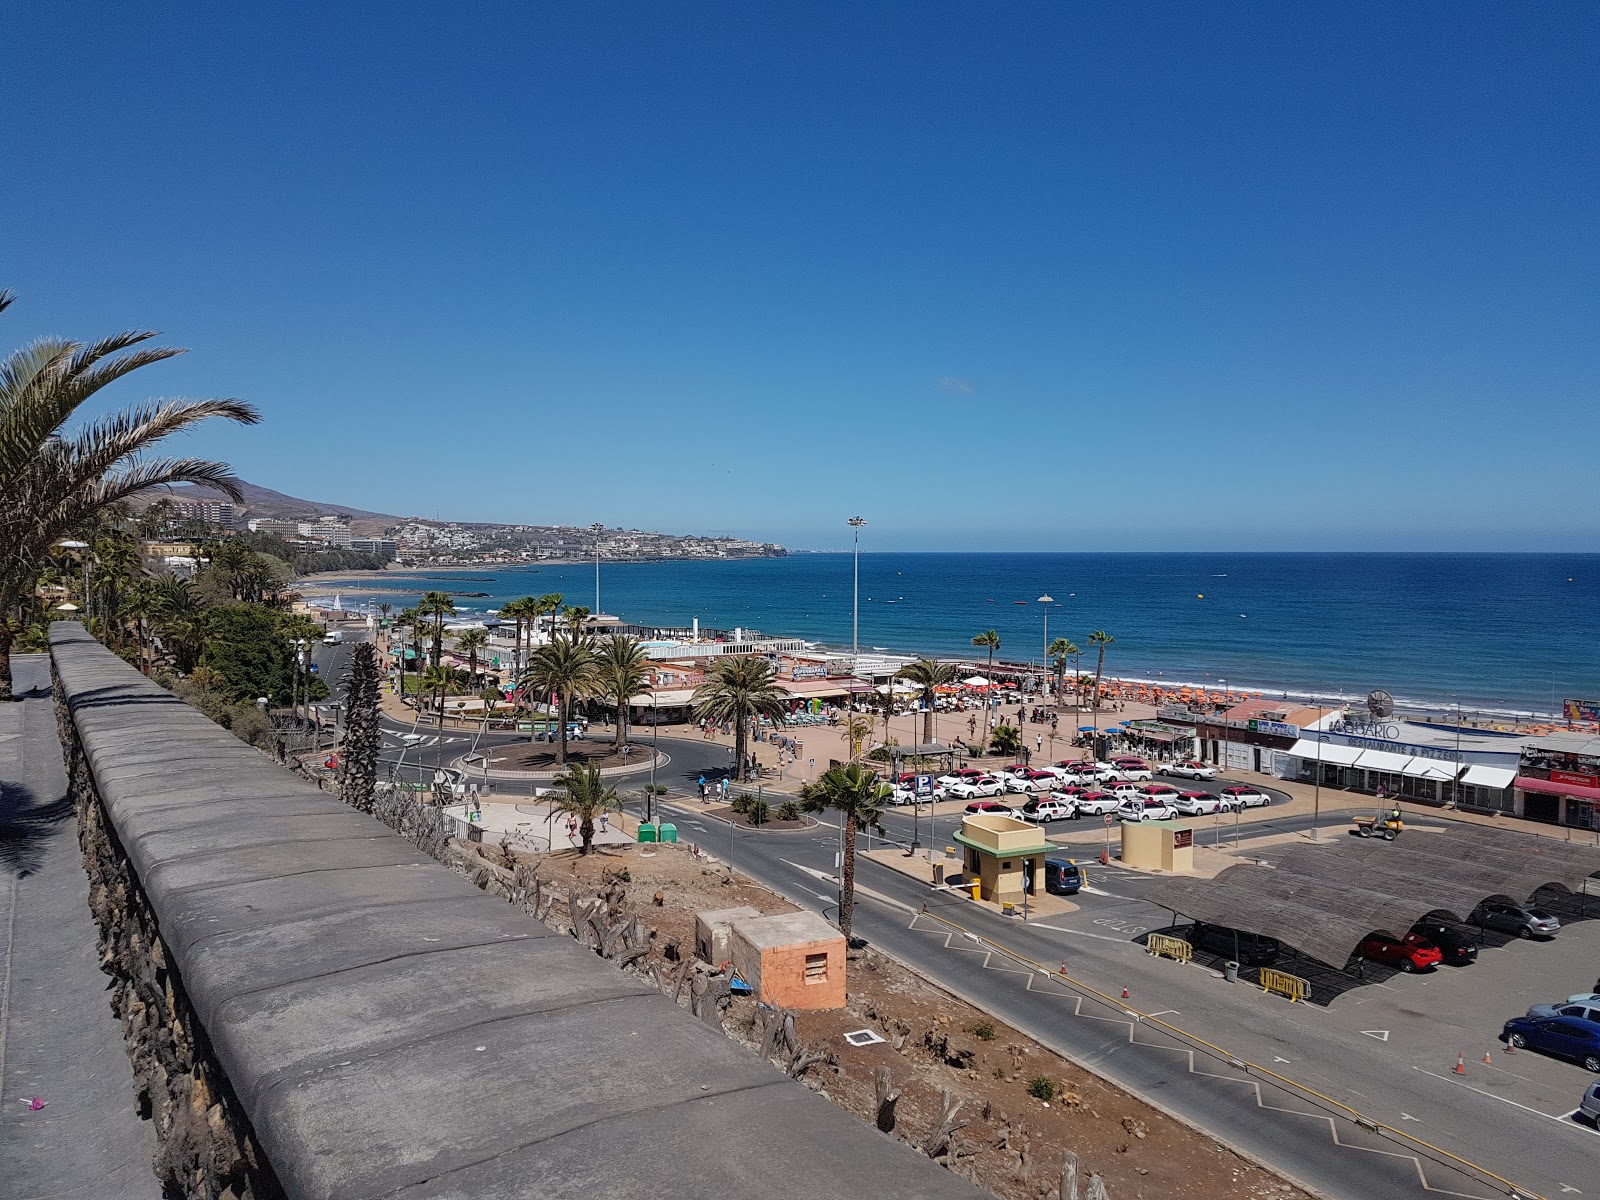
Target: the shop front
pixel 1558 780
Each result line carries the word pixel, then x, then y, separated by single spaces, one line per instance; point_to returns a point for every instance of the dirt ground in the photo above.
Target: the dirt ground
pixel 1015 1141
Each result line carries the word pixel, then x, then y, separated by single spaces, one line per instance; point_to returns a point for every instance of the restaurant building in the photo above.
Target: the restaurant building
pixel 1250 736
pixel 1558 780
pixel 1416 760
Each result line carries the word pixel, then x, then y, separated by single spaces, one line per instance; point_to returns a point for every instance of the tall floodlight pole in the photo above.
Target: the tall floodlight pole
pixel 1047 601
pixel 1316 793
pixel 855 524
pixel 597 529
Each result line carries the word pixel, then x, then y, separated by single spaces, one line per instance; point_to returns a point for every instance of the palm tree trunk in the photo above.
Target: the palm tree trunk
pixel 847 890
pixel 561 719
pixel 622 724
pixel 927 718
pixel 586 835
pixel 6 638
pixel 1098 667
pixel 738 746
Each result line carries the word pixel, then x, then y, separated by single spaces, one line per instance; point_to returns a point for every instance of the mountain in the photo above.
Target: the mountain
pixel 264 502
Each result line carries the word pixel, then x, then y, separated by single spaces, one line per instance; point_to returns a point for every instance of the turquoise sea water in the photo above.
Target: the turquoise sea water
pixel 1496 631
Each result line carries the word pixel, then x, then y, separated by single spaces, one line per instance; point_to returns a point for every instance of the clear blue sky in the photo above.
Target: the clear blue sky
pixel 1020 276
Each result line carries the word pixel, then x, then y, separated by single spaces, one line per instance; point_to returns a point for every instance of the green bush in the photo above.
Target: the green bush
pixel 742 802
pixel 983 1031
pixel 1042 1087
pixel 757 812
pixel 788 811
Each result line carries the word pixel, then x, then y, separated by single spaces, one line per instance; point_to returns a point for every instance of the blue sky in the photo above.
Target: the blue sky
pixel 1021 276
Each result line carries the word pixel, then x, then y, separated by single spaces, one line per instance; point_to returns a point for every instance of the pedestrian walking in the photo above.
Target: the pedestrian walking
pixel 605 822
pixel 1038 741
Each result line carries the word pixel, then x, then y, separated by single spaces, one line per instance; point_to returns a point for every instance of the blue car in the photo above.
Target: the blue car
pixel 1562 1037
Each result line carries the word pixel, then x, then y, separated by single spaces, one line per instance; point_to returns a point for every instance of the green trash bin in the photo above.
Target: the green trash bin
pixel 669 832
pixel 647 832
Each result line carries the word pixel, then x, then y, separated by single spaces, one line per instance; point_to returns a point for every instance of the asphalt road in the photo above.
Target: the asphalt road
pixel 1385 1049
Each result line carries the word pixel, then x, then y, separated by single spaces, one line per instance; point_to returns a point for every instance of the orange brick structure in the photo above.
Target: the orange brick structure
pixel 792 960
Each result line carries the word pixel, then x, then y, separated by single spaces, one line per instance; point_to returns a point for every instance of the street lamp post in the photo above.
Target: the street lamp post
pixel 1316 791
pixel 597 529
pixel 1047 601
pixel 855 524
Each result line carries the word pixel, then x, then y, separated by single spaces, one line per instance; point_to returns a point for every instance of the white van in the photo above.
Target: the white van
pixel 333 637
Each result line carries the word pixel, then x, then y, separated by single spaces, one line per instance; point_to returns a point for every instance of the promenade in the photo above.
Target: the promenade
pixel 59 1041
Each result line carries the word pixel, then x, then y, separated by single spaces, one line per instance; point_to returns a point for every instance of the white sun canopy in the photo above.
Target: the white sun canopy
pixel 1498 778
pixel 1338 755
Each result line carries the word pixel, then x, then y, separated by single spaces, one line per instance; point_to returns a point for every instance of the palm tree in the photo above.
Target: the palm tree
pixel 1102 639
pixel 857 729
pixel 181 622
pixel 991 639
pixel 585 795
pixel 575 617
pixel 518 611
pixel 856 792
pixel 1007 740
pixel 438 606
pixel 359 774
pixel 624 674
pixel 737 689
pixel 1059 650
pixel 469 643
pixel 441 681
pixel 54 482
pixel 568 669
pixel 546 605
pixel 383 611
pixel 928 675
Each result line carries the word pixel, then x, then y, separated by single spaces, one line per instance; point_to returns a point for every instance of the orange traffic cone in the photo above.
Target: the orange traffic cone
pixel 1461 1064
pixel 1063 968
pixel 1488 1058
pixel 1124 993
pixel 1510 1049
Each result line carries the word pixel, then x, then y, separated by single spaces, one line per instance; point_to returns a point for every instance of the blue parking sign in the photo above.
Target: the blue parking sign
pixel 924 785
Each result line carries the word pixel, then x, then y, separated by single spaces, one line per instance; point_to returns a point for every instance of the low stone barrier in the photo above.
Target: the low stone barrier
pixel 316 1008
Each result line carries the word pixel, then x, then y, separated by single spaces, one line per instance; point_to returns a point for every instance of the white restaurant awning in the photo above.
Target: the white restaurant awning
pixel 1430 768
pixel 1383 760
pixel 1338 755
pixel 1498 778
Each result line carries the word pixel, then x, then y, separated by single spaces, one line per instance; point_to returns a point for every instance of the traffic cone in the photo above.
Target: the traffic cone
pixel 1510 1049
pixel 1124 993
pixel 1488 1059
pixel 1063 968
pixel 1461 1064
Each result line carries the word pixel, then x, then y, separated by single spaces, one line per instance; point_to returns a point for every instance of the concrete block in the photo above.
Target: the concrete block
pixel 713 932
pixel 792 960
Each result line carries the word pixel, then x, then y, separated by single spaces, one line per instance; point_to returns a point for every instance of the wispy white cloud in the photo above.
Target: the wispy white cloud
pixel 951 383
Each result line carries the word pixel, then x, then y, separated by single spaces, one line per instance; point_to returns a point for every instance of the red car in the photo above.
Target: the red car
pixel 1410 953
pixel 1130 760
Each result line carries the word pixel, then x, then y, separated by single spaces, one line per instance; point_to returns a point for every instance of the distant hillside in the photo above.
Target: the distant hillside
pixel 264 502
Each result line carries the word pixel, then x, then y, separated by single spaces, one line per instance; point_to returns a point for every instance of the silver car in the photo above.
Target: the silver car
pixel 1524 920
pixel 1589 1106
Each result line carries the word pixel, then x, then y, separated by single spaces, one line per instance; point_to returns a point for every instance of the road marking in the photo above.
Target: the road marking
pixel 1275 1058
pixel 811 871
pixel 1405 1116
pixel 1536 1112
pixel 1381 1034
pixel 1099 937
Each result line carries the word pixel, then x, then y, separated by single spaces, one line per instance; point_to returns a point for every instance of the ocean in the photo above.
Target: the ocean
pixel 1494 632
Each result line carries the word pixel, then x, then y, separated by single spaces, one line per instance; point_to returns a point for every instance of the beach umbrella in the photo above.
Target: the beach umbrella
pixel 975 681
pixel 1085 728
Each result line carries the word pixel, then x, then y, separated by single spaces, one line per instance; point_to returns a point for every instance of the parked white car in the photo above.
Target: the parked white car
pixel 1022 785
pixel 1189 770
pixel 1142 809
pixel 971 789
pixel 1095 804
pixel 1200 804
pixel 1245 797
pixel 1124 790
pixel 905 795
pixel 1047 808
pixel 1135 774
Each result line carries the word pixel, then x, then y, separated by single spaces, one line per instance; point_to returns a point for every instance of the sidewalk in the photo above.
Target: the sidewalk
pixel 59 1040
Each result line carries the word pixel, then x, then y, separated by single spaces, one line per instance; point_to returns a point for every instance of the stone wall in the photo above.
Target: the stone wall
pixel 317 1008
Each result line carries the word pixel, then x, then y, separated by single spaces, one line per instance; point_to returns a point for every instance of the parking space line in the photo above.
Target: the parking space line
pixel 1536 1112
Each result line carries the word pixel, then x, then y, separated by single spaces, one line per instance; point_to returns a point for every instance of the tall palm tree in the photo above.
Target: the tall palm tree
pixel 442 681
pixel 585 795
pixel 436 606
pixel 359 773
pixel 1059 650
pixel 546 605
pixel 857 729
pixel 856 792
pixel 575 616
pixel 414 635
pixel 991 639
pixel 929 675
pixel 624 674
pixel 736 689
pixel 181 622
pixel 568 669
pixel 55 482
pixel 384 610
pixel 469 643
pixel 1101 639
pixel 517 611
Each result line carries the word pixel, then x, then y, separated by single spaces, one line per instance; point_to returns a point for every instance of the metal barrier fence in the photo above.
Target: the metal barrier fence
pixel 1284 984
pixel 1165 946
